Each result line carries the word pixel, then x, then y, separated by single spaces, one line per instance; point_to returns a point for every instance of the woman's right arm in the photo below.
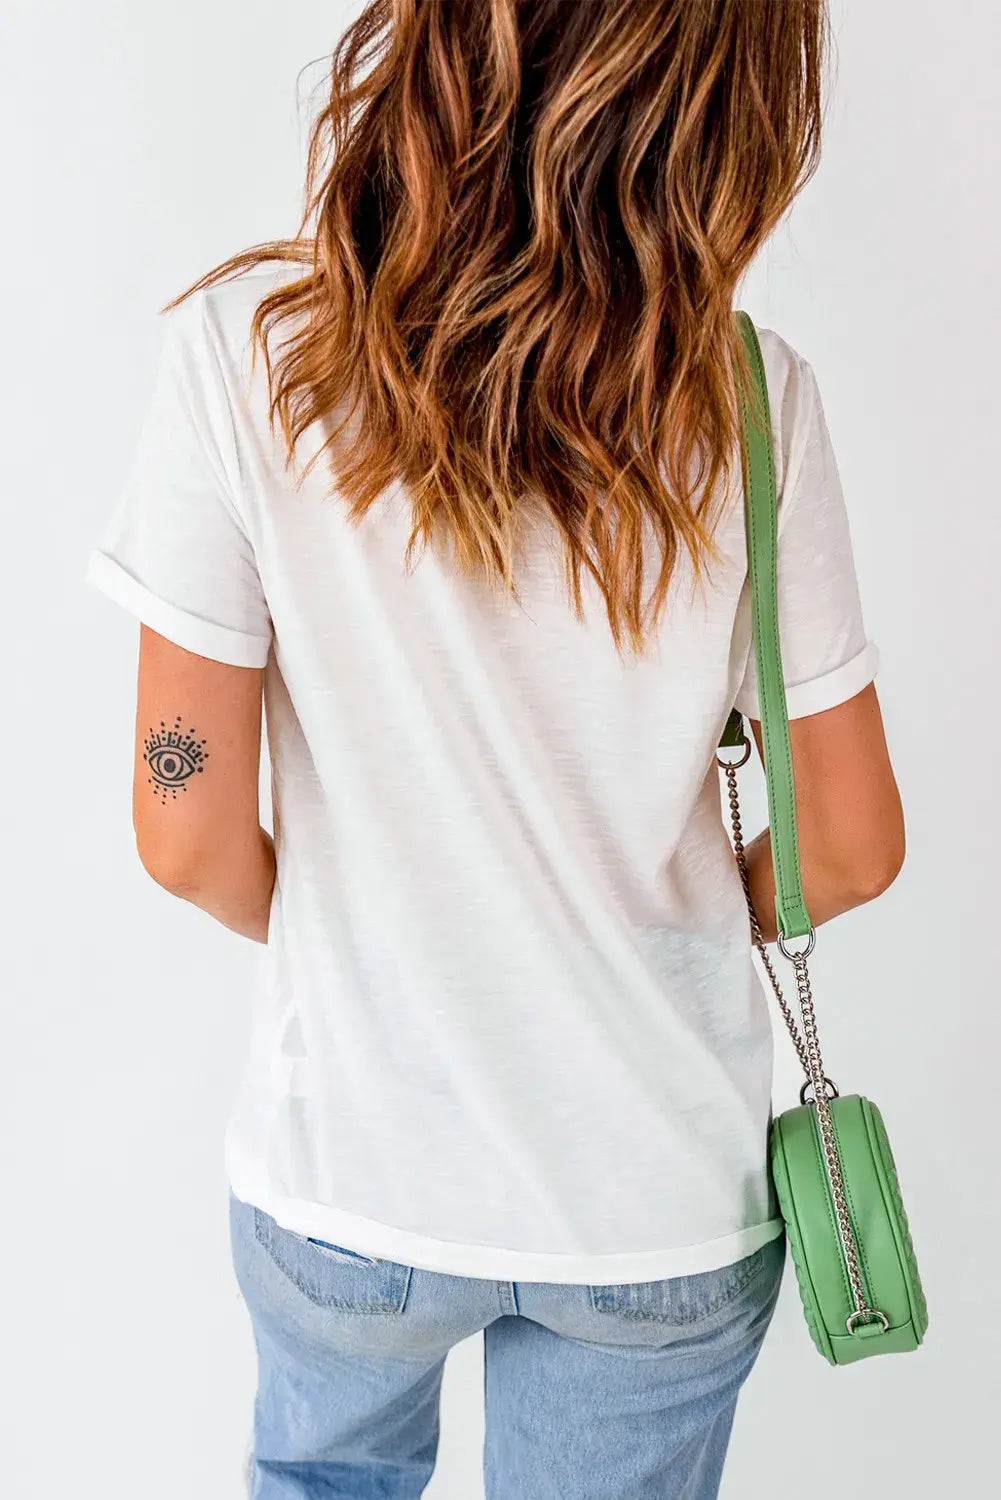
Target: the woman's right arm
pixel 848 811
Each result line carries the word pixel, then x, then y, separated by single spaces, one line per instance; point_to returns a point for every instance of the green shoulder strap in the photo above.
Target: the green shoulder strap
pixel 761 520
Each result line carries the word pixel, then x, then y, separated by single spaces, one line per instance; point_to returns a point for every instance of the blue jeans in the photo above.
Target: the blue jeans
pixel 616 1392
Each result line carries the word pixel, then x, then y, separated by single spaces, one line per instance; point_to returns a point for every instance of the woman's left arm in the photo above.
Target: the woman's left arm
pixel 195 794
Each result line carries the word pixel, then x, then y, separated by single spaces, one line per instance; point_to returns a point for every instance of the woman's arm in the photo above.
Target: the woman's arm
pixel 851 824
pixel 195 807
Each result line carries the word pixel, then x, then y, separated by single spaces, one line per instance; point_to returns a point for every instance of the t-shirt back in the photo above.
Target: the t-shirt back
pixel 507 1022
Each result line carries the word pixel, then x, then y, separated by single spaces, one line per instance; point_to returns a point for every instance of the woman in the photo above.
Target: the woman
pixel 473 528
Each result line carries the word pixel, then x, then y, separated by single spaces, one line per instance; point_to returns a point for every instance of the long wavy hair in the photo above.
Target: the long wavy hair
pixel 524 225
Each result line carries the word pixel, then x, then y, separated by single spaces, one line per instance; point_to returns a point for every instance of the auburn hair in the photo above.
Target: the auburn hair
pixel 524 225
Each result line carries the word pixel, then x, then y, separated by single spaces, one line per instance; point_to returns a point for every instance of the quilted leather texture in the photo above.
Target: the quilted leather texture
pixel 787 1208
pixel 888 1264
pixel 903 1224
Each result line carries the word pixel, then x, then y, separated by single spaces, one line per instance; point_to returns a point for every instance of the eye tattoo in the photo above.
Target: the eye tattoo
pixel 173 757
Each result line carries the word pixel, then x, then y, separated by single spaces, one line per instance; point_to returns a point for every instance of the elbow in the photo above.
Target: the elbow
pixel 874 873
pixel 173 870
pixel 850 865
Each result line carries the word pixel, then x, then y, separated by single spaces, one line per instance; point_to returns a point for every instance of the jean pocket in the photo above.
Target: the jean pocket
pixel 331 1275
pixel 681 1301
pixel 340 1252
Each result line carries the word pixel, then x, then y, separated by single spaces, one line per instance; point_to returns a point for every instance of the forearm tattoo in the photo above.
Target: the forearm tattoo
pixel 173 758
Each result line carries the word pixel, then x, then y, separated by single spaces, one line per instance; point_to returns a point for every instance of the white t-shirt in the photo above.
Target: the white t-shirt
pixel 507 1021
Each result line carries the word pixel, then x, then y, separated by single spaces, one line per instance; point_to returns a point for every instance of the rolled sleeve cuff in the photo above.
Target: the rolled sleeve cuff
pixel 238 648
pixel 821 693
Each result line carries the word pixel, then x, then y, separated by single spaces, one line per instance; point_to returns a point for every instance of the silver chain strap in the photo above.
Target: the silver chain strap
pixel 808 1050
pixel 731 767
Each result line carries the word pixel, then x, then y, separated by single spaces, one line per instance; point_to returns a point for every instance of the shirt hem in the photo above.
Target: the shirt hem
pixel 236 648
pixel 821 693
pixel 384 1242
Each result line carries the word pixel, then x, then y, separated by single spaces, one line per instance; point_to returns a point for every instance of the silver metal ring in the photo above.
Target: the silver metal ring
pixel 832 1089
pixel 867 1313
pixel 736 764
pixel 811 938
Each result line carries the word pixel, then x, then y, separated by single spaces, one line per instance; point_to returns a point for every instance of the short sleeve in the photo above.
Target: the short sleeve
pixel 176 552
pixel 827 656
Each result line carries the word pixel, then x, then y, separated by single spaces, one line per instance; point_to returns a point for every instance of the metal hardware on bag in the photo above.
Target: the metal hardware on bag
pixel 730 769
pixel 809 1085
pixel 866 1314
pixel 811 941
pixel 736 764
pixel 808 1050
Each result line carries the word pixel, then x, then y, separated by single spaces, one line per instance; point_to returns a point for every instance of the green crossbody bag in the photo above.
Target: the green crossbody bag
pixel 830 1159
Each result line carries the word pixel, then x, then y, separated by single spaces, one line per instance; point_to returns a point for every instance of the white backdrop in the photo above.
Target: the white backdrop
pixel 143 142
